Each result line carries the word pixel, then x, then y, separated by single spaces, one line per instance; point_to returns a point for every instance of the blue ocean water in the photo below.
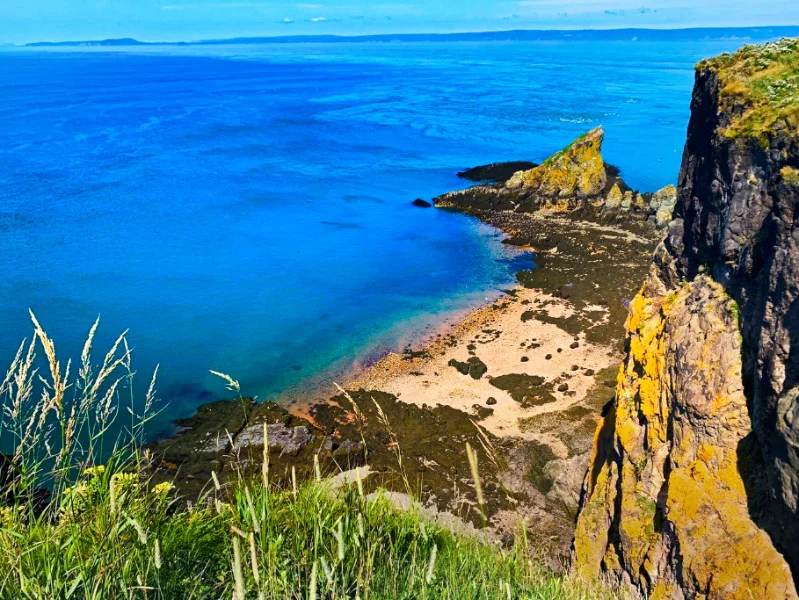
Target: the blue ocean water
pixel 247 208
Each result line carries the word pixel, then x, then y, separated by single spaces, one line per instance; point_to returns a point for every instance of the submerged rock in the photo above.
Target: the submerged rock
pixel 421 203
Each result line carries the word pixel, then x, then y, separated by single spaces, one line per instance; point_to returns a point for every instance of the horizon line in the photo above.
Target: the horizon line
pixel 300 37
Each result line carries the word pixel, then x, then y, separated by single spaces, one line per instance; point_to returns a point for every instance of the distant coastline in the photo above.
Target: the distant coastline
pixel 540 35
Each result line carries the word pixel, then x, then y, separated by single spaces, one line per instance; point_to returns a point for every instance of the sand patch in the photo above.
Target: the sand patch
pixel 554 368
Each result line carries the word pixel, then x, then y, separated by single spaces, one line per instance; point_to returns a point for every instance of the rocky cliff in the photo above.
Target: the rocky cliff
pixel 575 180
pixel 693 489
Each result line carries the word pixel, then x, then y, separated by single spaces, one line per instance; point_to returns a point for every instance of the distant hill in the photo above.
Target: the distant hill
pixel 650 35
pixel 114 42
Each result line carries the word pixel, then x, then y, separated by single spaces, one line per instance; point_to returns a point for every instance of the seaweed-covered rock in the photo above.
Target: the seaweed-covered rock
pixel 474 367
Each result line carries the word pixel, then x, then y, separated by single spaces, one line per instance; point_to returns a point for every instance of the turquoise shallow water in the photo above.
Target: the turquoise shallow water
pixel 247 208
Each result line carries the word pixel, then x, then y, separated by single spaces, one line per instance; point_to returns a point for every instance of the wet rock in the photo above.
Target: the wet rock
pixel 491 401
pixel 496 172
pixel 348 449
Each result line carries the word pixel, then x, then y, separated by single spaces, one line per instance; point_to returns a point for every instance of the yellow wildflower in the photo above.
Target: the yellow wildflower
pixel 162 489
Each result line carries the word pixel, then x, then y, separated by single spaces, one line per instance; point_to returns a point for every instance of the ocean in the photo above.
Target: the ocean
pixel 248 209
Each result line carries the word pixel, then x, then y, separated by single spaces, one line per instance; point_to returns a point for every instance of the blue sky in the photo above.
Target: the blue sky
pixel 162 20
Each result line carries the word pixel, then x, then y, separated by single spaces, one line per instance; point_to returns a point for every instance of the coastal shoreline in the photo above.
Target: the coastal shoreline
pixel 525 376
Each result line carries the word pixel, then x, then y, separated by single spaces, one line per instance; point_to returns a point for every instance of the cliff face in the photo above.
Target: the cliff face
pixel 693 489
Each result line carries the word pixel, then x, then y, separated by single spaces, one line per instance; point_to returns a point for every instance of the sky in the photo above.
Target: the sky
pixel 24 21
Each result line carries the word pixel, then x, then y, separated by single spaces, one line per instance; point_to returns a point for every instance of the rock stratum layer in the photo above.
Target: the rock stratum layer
pixel 693 488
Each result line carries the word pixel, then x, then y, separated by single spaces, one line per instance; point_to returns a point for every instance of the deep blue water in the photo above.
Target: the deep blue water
pixel 247 209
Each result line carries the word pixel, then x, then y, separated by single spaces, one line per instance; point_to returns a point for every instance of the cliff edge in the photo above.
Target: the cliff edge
pixel 693 488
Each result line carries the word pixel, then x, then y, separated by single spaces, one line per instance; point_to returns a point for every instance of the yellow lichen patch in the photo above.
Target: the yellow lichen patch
pixel 663 591
pixel 637 519
pixel 578 170
pixel 790 175
pixel 615 198
pixel 687 410
pixel 591 536
pixel 725 553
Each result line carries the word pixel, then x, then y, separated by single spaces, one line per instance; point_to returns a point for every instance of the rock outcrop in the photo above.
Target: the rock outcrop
pixel 575 180
pixel 693 489
pixel 578 171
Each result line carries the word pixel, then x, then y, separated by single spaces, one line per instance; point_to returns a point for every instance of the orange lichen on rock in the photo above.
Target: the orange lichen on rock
pixel 664 479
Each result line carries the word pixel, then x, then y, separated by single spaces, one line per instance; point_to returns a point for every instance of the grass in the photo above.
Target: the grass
pixel 763 81
pixel 107 532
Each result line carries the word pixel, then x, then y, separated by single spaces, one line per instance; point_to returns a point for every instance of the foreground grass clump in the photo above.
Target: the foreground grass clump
pixel 763 83
pixel 81 518
pixel 113 538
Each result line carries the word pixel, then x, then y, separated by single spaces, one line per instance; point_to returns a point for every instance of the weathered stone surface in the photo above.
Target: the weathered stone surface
pixel 290 440
pixel 693 489
pixel 578 170
pixel 614 198
pixel 666 506
pixel 627 201
pixel 662 206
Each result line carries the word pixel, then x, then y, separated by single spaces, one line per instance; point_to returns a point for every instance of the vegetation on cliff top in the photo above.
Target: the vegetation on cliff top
pixel 760 87
pixel 72 526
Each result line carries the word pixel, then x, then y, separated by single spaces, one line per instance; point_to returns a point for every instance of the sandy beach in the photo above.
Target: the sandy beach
pixel 508 341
